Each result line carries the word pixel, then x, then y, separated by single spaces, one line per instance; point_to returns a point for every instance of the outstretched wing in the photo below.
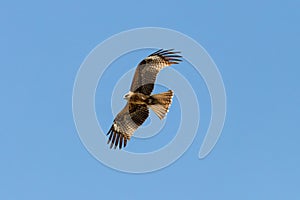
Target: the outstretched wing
pixel 147 70
pixel 125 123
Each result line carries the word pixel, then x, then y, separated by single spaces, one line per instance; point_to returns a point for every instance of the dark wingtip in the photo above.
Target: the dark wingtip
pixel 116 139
pixel 125 142
pixel 169 55
pixel 121 141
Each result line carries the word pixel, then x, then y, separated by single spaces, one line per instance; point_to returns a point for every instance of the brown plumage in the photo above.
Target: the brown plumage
pixel 139 99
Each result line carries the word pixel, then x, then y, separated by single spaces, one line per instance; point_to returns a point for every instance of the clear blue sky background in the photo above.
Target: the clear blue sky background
pixel 256 47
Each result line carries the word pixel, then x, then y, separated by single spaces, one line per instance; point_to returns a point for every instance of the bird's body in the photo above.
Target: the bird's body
pixel 139 99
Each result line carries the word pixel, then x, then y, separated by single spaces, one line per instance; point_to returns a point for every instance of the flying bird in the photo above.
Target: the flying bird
pixel 139 98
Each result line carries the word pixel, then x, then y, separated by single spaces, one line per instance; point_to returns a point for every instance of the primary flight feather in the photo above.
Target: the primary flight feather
pixel 139 98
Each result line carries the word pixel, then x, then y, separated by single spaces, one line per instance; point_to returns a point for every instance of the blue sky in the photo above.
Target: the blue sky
pixel 256 48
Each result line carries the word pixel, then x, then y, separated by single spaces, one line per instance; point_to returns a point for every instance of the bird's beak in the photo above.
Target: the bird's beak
pixel 127 96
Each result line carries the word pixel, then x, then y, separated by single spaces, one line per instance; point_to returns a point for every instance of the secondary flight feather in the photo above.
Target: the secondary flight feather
pixel 139 98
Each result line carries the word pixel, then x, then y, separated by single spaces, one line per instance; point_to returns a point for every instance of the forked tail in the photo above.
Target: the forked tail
pixel 160 103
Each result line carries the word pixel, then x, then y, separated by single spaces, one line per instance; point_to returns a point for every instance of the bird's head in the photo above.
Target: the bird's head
pixel 127 96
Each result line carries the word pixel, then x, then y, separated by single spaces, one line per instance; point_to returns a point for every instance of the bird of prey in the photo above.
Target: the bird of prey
pixel 139 98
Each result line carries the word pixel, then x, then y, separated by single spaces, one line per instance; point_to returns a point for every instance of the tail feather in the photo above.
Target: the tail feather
pixel 160 103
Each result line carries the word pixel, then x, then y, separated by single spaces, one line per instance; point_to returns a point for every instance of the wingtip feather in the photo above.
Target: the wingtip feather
pixel 168 55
